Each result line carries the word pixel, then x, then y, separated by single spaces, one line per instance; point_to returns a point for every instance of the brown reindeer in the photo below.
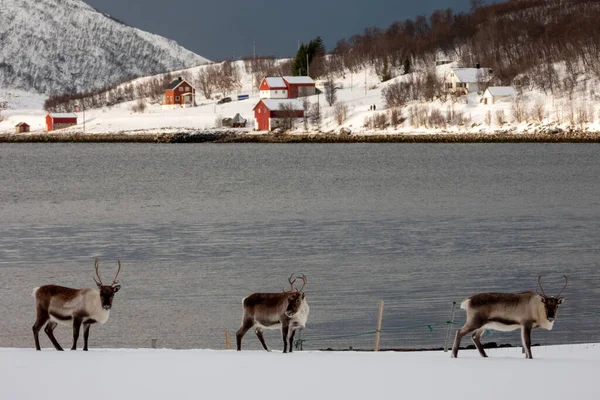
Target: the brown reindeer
pixel 507 312
pixel 58 304
pixel 287 310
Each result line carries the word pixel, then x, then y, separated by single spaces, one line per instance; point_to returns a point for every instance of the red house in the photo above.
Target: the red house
pixel 286 87
pixel 180 93
pixel 60 120
pixel 22 127
pixel 269 113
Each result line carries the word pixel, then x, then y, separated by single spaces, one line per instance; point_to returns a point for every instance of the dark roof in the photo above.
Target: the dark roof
pixel 238 119
pixel 175 83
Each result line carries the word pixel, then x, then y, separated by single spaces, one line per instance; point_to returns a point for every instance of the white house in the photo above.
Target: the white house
pixel 466 80
pixel 273 88
pixel 286 87
pixel 494 94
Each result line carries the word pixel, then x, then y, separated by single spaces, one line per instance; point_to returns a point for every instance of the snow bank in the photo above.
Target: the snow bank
pixel 557 372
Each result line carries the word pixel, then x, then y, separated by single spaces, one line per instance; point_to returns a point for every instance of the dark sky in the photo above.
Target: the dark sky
pixel 225 29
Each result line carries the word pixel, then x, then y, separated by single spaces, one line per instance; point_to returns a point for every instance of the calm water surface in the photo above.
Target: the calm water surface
pixel 199 227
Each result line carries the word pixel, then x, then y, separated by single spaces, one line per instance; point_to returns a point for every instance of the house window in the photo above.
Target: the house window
pixel 259 110
pixel 181 88
pixel 187 89
pixel 449 85
pixel 177 98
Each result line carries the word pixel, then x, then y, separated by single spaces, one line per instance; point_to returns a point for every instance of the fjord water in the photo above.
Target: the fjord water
pixel 199 227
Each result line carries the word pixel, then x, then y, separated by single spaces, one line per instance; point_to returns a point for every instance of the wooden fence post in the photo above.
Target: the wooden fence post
pixel 227 340
pixel 153 343
pixel 449 327
pixel 379 321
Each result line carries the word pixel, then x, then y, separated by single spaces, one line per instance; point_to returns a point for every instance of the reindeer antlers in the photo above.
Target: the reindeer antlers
pixel 291 282
pixel 304 281
pixel 99 280
pixel 96 266
pixel 566 282
pixel 561 290
pixel 115 281
pixel 540 283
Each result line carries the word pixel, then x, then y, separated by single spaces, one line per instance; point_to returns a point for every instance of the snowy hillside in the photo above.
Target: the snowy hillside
pixel 357 93
pixel 556 372
pixel 64 45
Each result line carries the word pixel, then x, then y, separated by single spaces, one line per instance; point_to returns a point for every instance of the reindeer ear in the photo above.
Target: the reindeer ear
pixel 543 299
pixel 116 288
pixel 303 295
pixel 560 300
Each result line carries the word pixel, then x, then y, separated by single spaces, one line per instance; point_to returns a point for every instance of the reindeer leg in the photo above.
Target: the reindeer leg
pixel 285 328
pixel 246 325
pixel 476 336
pixel 526 339
pixel 292 340
pixel 42 318
pixel 76 326
pixel 49 329
pixel 259 333
pixel 86 334
pixel 465 330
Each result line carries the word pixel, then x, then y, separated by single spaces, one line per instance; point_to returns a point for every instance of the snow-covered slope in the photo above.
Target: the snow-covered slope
pixel 63 45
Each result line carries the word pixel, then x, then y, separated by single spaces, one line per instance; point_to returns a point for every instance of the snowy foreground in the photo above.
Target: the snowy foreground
pixel 557 372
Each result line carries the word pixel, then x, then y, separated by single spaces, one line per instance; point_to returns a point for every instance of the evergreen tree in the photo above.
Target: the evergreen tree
pixel 407 66
pixel 314 48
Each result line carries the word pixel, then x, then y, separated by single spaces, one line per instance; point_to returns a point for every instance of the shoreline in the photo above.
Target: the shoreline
pixel 236 137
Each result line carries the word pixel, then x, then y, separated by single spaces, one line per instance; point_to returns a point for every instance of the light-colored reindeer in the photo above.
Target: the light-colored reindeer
pixel 58 304
pixel 508 312
pixel 287 311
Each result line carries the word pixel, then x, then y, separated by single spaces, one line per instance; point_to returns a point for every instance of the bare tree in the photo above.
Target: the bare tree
pixel 500 118
pixel 288 117
pixel 488 118
pixel 395 117
pixel 340 112
pixel 206 80
pixel 330 92
pixel 307 111
pixel 397 94
pixel 315 116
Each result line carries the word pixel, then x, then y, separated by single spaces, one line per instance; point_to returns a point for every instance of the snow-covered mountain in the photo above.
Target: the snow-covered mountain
pixel 53 46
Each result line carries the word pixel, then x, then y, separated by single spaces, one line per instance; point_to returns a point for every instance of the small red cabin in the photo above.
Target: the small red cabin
pixel 56 121
pixel 22 127
pixel 269 113
pixel 180 93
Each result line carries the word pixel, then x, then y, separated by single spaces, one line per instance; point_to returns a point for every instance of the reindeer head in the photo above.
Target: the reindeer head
pixel 551 303
pixel 295 297
pixel 107 292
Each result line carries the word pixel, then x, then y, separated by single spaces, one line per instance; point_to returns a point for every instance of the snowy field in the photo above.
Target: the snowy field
pixel 557 372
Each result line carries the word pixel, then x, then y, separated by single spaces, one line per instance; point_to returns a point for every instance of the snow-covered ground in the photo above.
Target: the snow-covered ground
pixel 358 91
pixel 557 372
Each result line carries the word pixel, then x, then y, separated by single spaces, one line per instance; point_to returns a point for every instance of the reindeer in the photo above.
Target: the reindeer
pixel 287 310
pixel 58 304
pixel 508 312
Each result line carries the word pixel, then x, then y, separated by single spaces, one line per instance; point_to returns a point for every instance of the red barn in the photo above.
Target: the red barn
pixel 300 86
pixel 60 120
pixel 180 93
pixel 269 113
pixel 286 87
